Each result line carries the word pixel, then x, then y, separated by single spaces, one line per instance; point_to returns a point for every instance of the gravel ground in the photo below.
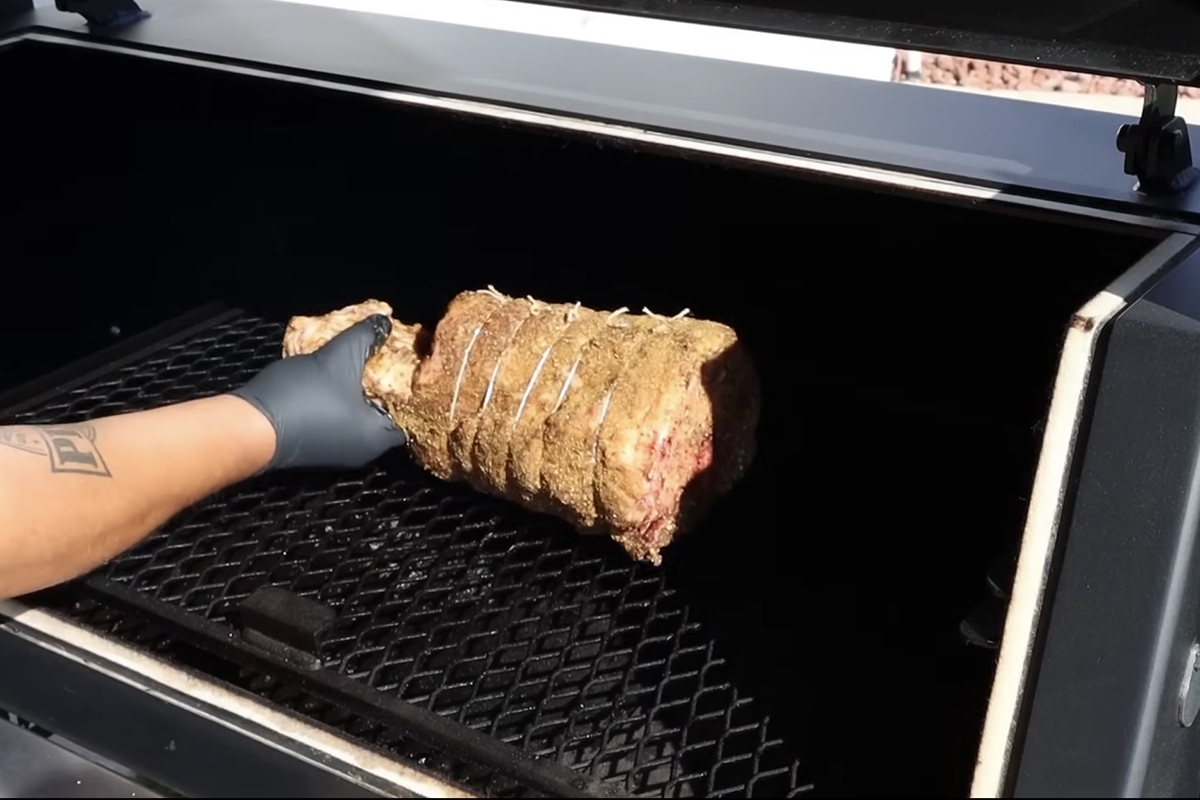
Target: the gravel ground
pixel 978 74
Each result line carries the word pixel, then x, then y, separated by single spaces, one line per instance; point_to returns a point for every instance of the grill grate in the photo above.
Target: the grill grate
pixel 498 619
pixel 152 636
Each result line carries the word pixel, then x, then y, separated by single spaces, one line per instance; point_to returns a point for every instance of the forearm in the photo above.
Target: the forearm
pixel 72 497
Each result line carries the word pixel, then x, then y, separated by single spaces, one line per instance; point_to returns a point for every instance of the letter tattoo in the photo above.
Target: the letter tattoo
pixel 68 448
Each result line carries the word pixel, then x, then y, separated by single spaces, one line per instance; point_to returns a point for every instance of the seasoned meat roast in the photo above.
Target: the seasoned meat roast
pixel 619 423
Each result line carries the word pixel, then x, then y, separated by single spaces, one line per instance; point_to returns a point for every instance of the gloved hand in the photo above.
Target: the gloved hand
pixel 317 406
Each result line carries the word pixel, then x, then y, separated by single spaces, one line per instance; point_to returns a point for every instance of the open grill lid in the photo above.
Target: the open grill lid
pixel 1151 40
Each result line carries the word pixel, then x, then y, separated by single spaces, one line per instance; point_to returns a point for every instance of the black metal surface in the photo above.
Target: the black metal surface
pixel 512 769
pixel 31 765
pixel 163 742
pixel 1036 150
pixel 11 8
pixel 984 626
pixel 1105 715
pixel 285 623
pixel 106 14
pixel 372 727
pixel 504 622
pixel 1150 39
pixel 104 359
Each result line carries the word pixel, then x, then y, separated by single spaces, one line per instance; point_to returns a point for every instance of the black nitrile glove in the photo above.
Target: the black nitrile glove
pixel 317 405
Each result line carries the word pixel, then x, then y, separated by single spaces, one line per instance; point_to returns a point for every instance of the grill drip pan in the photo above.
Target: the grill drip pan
pixel 496 646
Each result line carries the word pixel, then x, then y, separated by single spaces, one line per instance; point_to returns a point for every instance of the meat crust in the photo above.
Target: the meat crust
pixel 389 374
pixel 476 381
pixel 430 415
pixel 527 445
pixel 625 424
pixel 516 376
pixel 570 434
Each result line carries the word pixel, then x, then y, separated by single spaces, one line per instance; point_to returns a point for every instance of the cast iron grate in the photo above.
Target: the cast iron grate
pixel 498 619
pixel 153 636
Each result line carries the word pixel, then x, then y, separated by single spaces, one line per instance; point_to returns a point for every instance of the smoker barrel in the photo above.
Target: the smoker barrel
pixel 803 640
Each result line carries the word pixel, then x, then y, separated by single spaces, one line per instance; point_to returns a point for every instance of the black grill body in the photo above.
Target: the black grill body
pixel 804 640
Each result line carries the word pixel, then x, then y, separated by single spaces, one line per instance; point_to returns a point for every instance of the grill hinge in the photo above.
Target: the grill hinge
pixel 1157 147
pixel 108 14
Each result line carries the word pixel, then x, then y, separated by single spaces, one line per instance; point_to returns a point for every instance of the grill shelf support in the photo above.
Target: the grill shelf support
pixel 286 624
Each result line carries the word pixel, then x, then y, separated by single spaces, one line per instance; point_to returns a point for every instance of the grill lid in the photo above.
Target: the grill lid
pixel 1150 40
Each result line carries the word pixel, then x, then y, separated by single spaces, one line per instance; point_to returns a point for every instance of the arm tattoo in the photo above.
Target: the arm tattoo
pixel 68 448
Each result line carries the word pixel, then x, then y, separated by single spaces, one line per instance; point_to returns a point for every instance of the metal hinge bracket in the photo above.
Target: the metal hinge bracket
pixel 107 14
pixel 1157 148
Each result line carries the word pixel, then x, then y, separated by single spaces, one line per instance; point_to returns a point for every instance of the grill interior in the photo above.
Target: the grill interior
pixel 803 641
